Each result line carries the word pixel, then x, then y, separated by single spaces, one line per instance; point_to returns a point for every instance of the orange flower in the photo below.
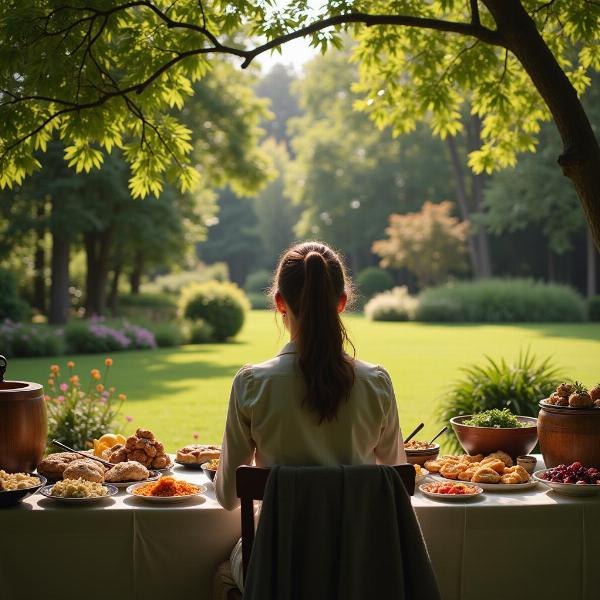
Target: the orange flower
pixel 51 382
pixel 47 398
pixel 122 397
pixel 70 364
pixel 108 362
pixel 95 374
pixel 74 379
pixel 111 390
pixel 55 369
pixel 100 387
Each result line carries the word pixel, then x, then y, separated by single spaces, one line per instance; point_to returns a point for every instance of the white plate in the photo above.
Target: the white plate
pixel 491 487
pixel 154 476
pixel 47 492
pixel 452 497
pixel 165 499
pixel 568 489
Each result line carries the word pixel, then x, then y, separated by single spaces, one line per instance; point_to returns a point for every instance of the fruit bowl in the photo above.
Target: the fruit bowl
pixel 567 489
pixel 515 441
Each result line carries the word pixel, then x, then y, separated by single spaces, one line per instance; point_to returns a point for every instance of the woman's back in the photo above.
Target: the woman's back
pixel 272 427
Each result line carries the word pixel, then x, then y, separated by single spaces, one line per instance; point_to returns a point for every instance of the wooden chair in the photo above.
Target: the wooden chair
pixel 250 486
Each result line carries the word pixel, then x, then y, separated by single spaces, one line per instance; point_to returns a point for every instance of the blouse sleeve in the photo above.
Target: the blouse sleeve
pixel 390 448
pixel 238 446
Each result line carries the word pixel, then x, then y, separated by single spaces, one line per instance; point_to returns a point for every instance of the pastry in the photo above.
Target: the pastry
pixel 523 475
pixel 510 478
pixel 467 474
pixel 433 466
pixel 130 470
pixel 503 456
pixel 485 475
pixel 493 463
pixel 84 469
pixel 53 465
pixel 144 433
pixel 143 448
pixel 452 471
pixel 197 454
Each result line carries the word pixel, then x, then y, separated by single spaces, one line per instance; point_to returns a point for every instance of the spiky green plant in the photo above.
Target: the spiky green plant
pixel 497 384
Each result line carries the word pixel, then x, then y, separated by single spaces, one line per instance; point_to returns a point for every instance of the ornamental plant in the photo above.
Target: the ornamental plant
pixel 79 412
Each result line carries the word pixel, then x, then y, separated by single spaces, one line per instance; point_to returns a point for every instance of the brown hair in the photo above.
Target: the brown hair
pixel 311 278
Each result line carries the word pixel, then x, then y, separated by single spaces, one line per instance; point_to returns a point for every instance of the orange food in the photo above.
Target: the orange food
pixel 167 486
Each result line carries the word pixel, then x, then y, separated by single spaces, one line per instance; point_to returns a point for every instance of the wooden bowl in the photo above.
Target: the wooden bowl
pixel 420 457
pixel 515 441
pixel 569 435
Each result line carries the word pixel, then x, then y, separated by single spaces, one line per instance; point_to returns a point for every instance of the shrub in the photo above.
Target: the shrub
pixel 90 337
pixel 594 308
pixel 501 300
pixel 79 413
pixel 222 305
pixel 201 332
pixel 258 282
pixel 173 283
pixel 373 280
pixel 149 307
pixel 19 339
pixel 11 306
pixel 140 338
pixel 394 305
pixel 259 301
pixel 168 335
pixel 518 387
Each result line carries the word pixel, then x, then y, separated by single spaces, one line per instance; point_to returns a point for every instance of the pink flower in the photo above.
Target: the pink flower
pixel 64 387
pixel 196 435
pixel 128 419
pixel 60 399
pixel 105 394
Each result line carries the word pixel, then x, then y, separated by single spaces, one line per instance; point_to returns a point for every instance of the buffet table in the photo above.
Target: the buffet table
pixel 527 545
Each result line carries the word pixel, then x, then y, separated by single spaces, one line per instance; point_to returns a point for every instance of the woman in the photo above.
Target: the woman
pixel 312 404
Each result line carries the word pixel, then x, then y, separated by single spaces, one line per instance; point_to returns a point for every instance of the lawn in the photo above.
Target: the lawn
pixel 176 392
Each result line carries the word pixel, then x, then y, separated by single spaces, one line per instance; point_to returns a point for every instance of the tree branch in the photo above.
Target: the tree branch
pixel 475 20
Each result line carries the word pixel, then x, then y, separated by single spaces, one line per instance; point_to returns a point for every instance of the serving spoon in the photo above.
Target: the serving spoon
pixel 412 435
pixel 438 435
pixel 84 454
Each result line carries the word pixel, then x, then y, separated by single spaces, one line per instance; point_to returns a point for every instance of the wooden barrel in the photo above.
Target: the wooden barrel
pixel 569 435
pixel 23 424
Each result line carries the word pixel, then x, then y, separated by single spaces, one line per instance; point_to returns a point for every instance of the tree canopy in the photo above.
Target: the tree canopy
pixel 103 73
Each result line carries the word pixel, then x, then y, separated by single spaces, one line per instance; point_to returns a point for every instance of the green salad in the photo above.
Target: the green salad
pixel 495 418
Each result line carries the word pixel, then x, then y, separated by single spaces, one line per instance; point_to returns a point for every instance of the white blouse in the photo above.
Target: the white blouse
pixel 266 424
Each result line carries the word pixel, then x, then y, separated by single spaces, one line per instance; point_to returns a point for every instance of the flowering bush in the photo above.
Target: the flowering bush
pixel 20 339
pixel 79 413
pixel 95 335
pixel 394 305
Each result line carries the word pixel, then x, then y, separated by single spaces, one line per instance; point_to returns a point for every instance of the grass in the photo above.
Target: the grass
pixel 176 392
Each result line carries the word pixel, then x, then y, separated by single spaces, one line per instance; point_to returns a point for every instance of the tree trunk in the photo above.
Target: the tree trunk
pixel 59 287
pixel 580 160
pixel 591 265
pixel 114 289
pixel 97 250
pixel 477 183
pixel 135 277
pixel 39 263
pixel 463 204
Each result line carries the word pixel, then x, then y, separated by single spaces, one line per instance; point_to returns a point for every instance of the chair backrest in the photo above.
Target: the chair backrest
pixel 250 486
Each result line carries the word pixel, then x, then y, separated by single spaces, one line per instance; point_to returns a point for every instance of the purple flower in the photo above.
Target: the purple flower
pixel 128 418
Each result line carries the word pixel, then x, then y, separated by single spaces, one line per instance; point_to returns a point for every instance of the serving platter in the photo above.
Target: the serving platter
pixel 452 497
pixel 47 492
pixel 491 487
pixel 567 489
pixel 166 499
pixel 191 466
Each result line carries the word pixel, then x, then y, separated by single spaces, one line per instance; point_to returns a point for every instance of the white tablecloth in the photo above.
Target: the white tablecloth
pixel 529 545
pixel 121 548
pixel 525 546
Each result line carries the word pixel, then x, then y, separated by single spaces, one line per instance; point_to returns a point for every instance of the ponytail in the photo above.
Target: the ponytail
pixel 311 279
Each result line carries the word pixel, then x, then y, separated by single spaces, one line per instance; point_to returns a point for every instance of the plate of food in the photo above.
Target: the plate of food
pixel 15 487
pixel 142 447
pixel 124 474
pixel 571 480
pixel 78 491
pixel 450 491
pixel 194 456
pixel 166 490
pixel 494 472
